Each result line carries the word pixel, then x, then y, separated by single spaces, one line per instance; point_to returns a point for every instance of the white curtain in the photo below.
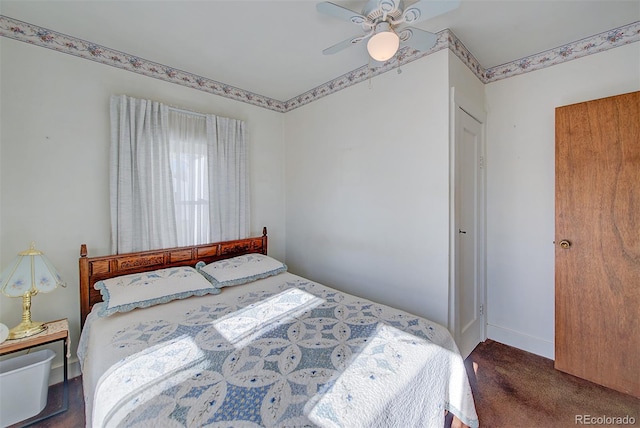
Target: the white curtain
pixel 177 178
pixel 209 157
pixel 188 140
pixel 228 179
pixel 142 206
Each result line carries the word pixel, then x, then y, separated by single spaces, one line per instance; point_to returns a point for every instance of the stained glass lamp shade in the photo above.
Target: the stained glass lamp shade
pixel 29 274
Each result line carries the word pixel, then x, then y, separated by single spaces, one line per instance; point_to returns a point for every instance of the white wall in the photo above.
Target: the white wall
pixel 520 182
pixel 367 183
pixel 55 155
pixel 465 82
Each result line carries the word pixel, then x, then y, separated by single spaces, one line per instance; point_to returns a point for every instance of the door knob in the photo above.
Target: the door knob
pixel 565 244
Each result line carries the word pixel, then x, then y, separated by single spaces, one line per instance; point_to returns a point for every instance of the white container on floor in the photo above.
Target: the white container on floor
pixel 24 386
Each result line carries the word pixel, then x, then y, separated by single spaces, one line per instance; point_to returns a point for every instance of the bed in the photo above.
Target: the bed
pixel 256 346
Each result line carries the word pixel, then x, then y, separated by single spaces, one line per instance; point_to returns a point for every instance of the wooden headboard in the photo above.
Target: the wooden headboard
pixel 94 269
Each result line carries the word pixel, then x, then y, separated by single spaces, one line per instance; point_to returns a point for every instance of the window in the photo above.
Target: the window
pixel 177 178
pixel 188 154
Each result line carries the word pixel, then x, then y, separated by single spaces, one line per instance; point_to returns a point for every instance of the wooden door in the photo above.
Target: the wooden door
pixel 597 239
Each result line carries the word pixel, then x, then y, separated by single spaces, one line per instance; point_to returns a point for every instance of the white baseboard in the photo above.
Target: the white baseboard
pixel 57 372
pixel 519 340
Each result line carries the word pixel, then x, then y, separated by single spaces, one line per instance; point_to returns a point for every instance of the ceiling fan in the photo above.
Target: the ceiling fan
pixel 384 24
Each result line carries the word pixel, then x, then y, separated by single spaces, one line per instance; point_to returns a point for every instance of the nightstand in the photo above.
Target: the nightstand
pixel 56 331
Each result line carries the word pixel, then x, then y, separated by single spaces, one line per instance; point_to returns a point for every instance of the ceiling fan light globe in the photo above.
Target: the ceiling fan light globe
pixel 383 45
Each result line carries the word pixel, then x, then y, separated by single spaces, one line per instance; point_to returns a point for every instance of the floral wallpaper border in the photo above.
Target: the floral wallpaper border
pixel 43 37
pixel 404 56
pixel 39 36
pixel 599 43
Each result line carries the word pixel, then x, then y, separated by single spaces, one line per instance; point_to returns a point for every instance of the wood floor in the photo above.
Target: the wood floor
pixel 512 388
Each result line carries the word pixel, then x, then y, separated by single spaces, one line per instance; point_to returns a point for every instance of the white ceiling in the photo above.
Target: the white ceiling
pixel 274 48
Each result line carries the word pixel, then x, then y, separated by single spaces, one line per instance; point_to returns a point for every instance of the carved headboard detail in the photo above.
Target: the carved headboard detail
pixel 94 269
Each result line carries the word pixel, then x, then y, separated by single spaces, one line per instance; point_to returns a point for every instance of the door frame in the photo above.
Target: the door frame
pixel 458 102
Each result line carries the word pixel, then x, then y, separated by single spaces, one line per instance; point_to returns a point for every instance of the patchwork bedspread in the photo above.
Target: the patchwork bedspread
pixel 284 352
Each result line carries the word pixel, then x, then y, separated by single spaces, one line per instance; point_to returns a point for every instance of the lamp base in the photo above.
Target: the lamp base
pixel 26 329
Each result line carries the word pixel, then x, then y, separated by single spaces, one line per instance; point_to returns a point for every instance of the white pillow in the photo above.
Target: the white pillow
pixel 141 290
pixel 241 269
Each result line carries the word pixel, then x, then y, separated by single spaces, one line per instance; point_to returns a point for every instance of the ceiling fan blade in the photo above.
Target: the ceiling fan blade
pixel 417 39
pixel 427 9
pixel 340 12
pixel 344 44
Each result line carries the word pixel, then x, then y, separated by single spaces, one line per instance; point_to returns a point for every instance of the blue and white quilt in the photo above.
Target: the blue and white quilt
pixel 280 352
